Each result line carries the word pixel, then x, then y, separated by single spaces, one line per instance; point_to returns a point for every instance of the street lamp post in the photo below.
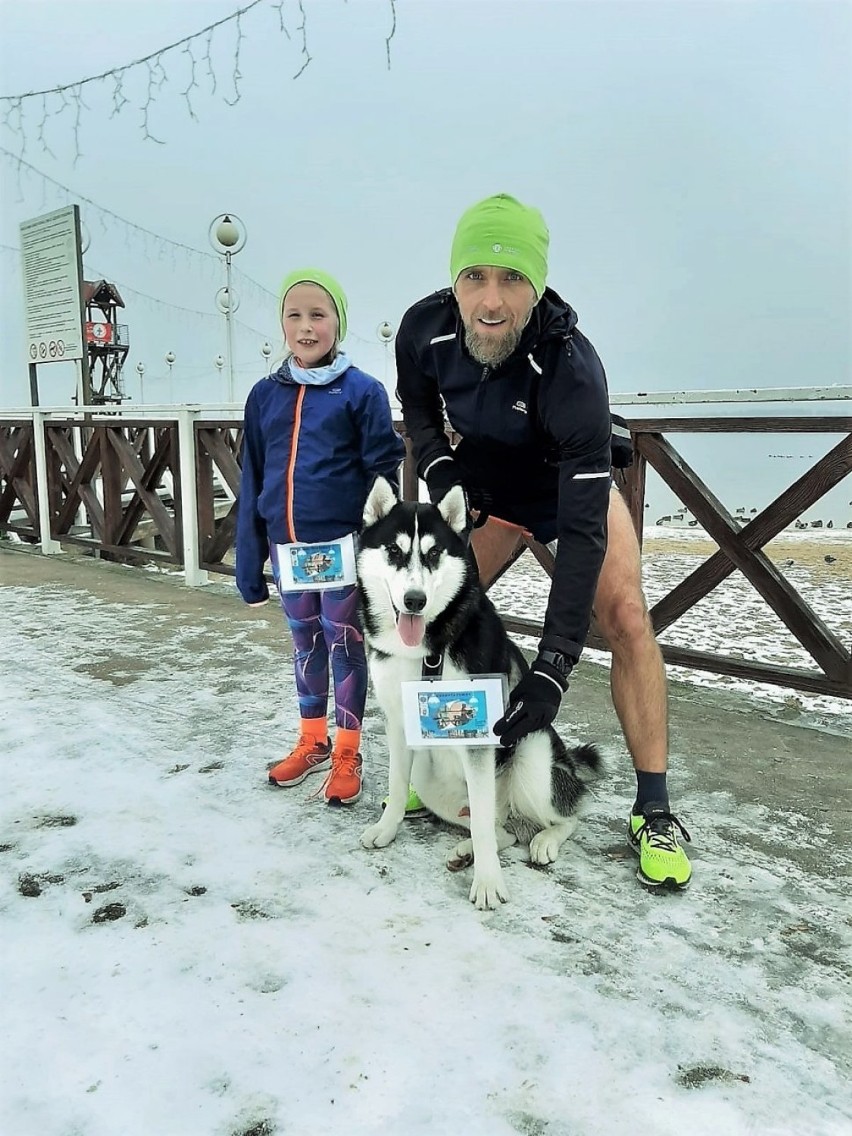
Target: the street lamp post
pixel 386 334
pixel 266 351
pixel 219 363
pixel 140 371
pixel 170 361
pixel 227 235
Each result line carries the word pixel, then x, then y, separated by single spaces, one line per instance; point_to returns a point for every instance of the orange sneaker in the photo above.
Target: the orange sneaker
pixel 309 756
pixel 343 784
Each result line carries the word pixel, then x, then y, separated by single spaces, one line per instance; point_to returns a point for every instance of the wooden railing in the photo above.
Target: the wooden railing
pixel 217 448
pixel 739 547
pixel 162 486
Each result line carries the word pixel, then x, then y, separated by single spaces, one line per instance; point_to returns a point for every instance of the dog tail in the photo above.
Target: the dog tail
pixel 590 764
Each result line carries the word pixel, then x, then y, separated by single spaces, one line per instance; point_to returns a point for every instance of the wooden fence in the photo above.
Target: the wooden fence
pixel 162 486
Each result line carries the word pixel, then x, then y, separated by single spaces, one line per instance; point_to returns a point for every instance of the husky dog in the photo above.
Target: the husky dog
pixel 421 597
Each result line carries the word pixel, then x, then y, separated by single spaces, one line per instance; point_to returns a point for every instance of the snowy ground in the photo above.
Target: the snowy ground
pixel 187 952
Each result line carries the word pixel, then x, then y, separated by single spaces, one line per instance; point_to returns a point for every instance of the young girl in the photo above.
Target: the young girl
pixel 317 432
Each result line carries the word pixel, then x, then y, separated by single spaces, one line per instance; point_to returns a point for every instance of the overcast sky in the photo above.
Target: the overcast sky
pixel 693 161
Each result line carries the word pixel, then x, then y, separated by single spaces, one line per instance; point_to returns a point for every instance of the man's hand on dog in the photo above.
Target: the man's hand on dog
pixel 533 704
pixel 444 476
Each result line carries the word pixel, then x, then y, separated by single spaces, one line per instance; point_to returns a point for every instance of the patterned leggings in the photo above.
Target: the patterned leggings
pixel 323 623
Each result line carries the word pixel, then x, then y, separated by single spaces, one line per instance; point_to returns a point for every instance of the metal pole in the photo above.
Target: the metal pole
pixel 49 546
pixel 193 573
pixel 229 315
pixel 85 376
pixel 82 400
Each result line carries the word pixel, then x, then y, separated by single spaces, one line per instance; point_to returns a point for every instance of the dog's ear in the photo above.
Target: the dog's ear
pixel 453 508
pixel 380 501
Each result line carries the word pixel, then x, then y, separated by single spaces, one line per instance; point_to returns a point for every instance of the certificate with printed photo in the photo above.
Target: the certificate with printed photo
pixel 455 712
pixel 303 567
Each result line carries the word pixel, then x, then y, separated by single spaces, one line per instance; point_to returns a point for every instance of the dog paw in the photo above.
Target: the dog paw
pixel 544 847
pixel 378 835
pixel 461 856
pixel 488 892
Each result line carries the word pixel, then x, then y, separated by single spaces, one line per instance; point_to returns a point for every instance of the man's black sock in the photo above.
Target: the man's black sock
pixel 650 787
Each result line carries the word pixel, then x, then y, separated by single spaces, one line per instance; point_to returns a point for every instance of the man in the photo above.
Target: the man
pixel 525 390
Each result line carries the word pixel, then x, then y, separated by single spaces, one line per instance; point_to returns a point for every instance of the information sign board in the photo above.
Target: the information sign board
pixel 50 254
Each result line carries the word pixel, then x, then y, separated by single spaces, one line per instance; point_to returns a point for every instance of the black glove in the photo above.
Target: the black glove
pixel 442 476
pixel 480 501
pixel 533 704
pixel 621 443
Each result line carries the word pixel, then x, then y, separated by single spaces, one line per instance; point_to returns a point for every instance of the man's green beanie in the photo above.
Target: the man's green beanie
pixel 317 276
pixel 500 231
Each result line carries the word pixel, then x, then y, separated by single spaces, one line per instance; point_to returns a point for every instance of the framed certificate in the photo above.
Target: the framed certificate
pixel 452 712
pixel 302 567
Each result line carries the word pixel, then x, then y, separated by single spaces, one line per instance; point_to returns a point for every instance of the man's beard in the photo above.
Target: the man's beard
pixel 491 350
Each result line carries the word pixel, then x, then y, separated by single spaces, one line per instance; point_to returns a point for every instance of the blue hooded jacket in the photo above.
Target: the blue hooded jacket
pixel 310 455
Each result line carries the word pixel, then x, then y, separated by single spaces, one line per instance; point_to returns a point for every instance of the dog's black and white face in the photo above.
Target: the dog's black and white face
pixel 412 562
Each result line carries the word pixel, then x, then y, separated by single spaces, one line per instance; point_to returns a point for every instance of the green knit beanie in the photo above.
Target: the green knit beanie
pixel 500 231
pixel 317 276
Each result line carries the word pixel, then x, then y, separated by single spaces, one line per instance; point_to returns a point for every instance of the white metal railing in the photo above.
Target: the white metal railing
pixel 155 411
pixel 740 394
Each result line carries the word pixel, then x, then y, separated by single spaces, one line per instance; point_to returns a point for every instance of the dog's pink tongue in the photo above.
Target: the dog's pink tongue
pixel 411 629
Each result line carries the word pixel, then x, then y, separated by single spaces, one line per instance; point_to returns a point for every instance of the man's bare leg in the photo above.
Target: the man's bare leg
pixel 638 676
pixel 638 681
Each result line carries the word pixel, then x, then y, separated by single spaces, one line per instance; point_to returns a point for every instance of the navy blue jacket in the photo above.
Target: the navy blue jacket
pixel 535 436
pixel 310 455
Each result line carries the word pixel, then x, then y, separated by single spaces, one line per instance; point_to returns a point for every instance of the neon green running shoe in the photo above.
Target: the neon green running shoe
pixel 414 807
pixel 654 836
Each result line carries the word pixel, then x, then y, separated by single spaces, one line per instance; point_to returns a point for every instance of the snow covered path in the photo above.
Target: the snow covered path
pixel 187 952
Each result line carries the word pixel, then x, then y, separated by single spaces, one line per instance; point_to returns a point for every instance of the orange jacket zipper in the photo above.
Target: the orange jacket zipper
pixel 291 466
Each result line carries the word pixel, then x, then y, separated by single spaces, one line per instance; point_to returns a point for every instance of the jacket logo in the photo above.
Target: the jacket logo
pixel 520 406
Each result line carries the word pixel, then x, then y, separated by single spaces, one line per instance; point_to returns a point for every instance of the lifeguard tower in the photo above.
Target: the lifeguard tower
pixel 107 341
